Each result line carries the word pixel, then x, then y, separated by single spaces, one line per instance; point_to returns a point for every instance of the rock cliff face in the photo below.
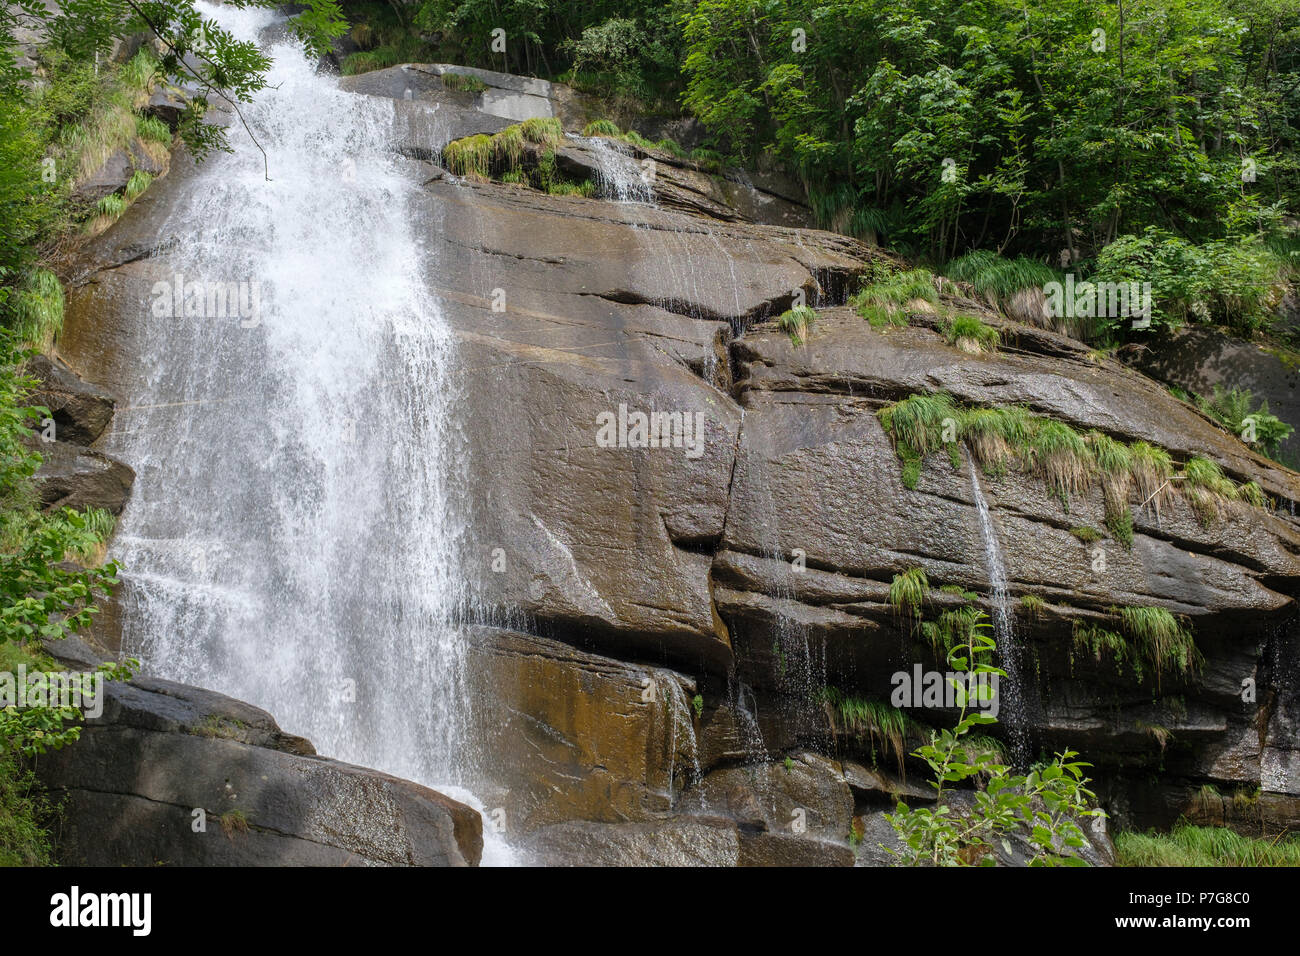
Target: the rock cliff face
pixel 654 625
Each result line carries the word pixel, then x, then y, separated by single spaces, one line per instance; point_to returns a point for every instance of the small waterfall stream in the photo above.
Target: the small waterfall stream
pixel 1012 705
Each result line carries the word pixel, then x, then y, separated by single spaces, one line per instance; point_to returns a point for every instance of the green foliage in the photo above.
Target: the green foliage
pixel 797 323
pixel 1045 805
pixel 1150 640
pixel 881 725
pixel 953 628
pixel 1000 125
pixel 908 591
pixel 697 704
pixel 969 334
pixel 463 83
pixel 996 278
pixel 1086 534
pixel 1236 281
pixel 1188 845
pixel 38 309
pixel 154 130
pixel 1236 411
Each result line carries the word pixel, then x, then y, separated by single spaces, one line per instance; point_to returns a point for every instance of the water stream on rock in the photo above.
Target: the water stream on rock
pixel 293 538
pixel 1012 706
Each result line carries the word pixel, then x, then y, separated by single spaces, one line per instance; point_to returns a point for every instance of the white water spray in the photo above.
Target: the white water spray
pixel 292 539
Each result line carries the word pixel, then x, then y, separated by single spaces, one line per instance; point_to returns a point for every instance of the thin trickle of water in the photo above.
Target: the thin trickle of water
pixel 681 738
pixel 292 539
pixel 1012 688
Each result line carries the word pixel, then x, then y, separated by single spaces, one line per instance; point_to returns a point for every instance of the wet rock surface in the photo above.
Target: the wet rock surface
pixel 615 563
pixel 178 776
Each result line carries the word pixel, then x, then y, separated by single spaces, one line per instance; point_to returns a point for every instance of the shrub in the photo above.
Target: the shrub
pixel 602 127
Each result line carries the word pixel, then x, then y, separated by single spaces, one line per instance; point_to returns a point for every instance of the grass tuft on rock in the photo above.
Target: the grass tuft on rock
pixel 797 323
pixel 908 591
pixel 969 334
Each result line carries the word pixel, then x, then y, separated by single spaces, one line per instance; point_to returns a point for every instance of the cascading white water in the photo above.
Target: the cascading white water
pixel 619 176
pixel 292 537
pixel 1012 705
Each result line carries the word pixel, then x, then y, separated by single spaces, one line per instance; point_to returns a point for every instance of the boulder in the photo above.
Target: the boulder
pixel 175 775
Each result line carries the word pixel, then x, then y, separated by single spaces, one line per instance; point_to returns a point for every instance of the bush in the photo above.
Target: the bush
pixel 1237 282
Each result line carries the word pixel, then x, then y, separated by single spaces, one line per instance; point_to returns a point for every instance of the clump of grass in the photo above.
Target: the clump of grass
pixel 882 725
pixel 1161 640
pixel 111 206
pixel 462 83
pixel 508 147
pixel 908 591
pixel 1188 845
pixel 916 425
pixel 38 309
pixel 602 127
pixel 586 189
pixel 543 132
pixel 996 435
pixel 1086 534
pixel 1152 468
pixel 153 130
pixel 137 73
pixel 1252 494
pixel 996 278
pixel 98 524
pixel 797 323
pixel 1033 605
pixel 138 183
pixel 1061 457
pixel 1104 643
pixel 1206 488
pixel 1150 639
pixel 969 334
pixel 1120 526
pixel 234 821
pixel 887 301
pixel 470 158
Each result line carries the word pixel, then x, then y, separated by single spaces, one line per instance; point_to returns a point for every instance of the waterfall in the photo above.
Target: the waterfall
pixel 619 176
pixel 293 536
pixel 1012 704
